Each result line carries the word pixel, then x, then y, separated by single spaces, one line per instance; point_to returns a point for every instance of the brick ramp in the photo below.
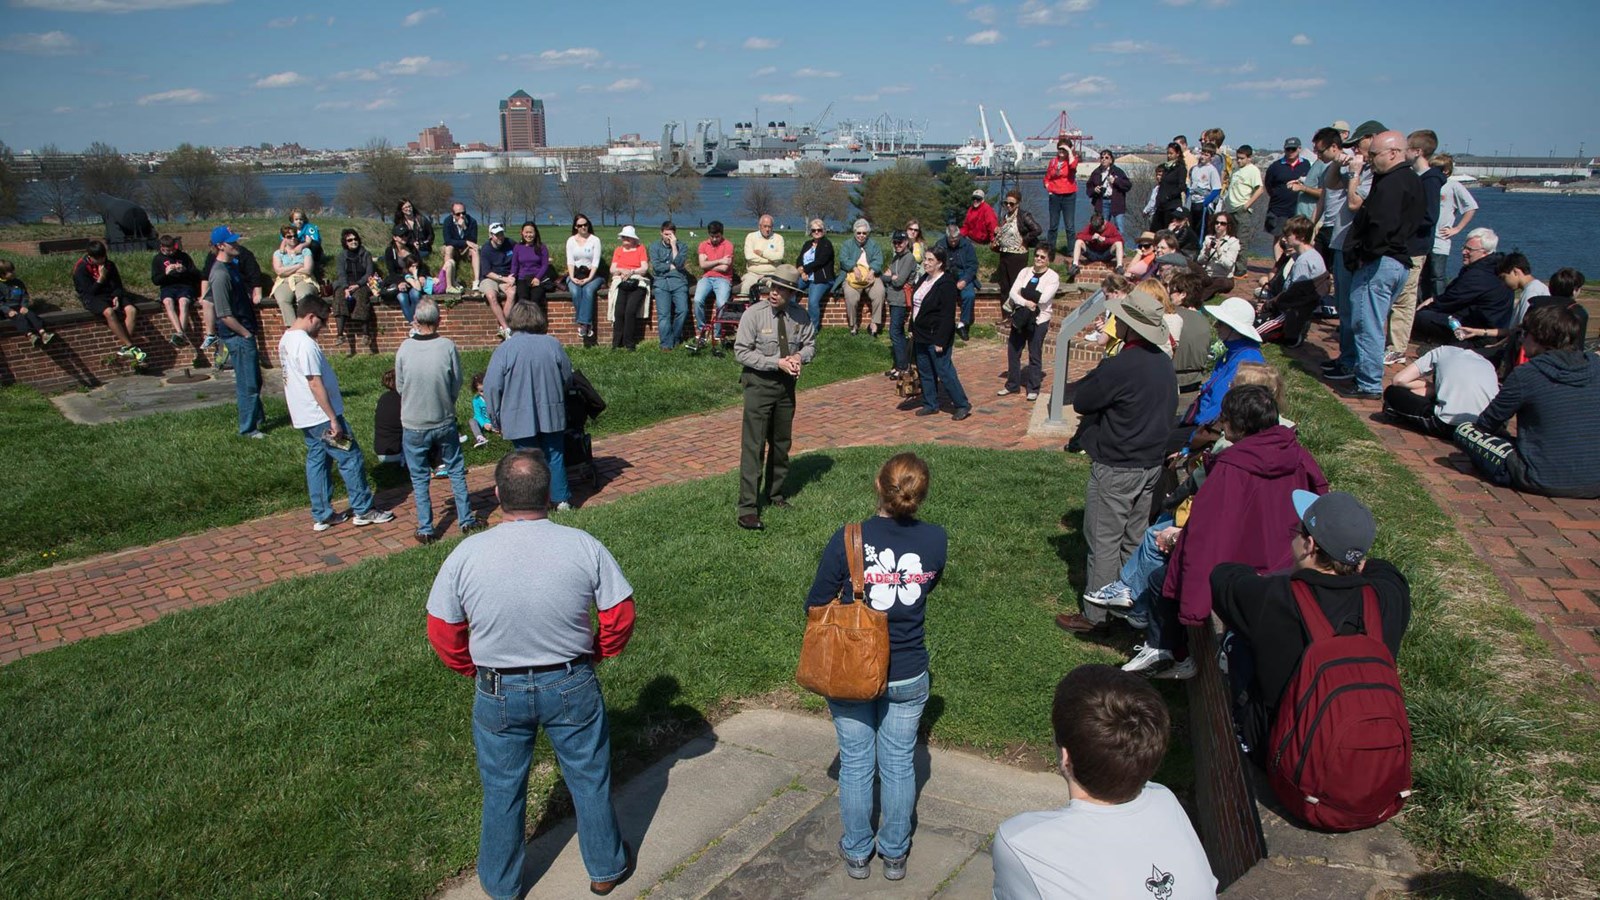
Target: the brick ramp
pixel 123 590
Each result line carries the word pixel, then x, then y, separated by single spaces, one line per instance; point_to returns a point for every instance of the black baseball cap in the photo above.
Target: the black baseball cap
pixel 899 236
pixel 1363 131
pixel 1340 524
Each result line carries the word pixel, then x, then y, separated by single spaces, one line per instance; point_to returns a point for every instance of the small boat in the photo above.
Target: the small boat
pixel 846 177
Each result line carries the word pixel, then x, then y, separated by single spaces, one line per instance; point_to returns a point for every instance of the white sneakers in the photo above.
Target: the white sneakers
pixel 1153 662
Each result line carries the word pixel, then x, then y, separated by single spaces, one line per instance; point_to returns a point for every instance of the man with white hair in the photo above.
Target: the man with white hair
pixel 1477 298
pixel 428 375
pixel 763 253
pixel 1376 250
pixel 861 271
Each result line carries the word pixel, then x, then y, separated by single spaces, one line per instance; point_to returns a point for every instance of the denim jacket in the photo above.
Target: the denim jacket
pixel 849 252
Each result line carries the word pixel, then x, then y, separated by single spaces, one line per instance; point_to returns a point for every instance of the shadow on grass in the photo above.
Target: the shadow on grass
pixel 805 470
pixel 1462 884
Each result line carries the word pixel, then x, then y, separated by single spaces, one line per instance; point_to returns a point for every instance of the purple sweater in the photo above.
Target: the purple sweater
pixel 530 261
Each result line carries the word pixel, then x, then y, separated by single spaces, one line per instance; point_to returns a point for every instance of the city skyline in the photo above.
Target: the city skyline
pixel 1130 73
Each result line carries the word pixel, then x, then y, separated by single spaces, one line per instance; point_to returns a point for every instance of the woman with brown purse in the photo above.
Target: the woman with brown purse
pixel 903 560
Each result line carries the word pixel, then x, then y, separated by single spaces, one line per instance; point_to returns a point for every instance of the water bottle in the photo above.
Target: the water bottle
pixel 1455 323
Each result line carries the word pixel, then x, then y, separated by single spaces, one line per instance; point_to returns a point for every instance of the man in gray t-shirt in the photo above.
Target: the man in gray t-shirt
pixel 510 607
pixel 427 373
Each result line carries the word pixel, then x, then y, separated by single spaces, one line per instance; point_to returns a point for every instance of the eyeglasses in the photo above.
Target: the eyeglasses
pixel 861 234
pixel 1147 246
pixel 913 228
pixel 1466 250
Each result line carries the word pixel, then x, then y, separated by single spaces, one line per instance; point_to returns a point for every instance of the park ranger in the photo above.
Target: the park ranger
pixel 775 339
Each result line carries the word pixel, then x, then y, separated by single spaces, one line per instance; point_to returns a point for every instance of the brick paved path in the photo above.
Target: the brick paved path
pixel 1543 550
pixel 124 590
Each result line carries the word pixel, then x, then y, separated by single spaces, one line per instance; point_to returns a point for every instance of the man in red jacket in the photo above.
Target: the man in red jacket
pixel 981 222
pixel 510 608
pixel 1061 181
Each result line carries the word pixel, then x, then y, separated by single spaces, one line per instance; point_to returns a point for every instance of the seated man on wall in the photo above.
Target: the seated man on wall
pixel 1111 731
pixel 1099 241
pixel 1477 298
pixel 1555 397
pixel 763 253
pixel 460 242
pixel 100 290
pixel 861 272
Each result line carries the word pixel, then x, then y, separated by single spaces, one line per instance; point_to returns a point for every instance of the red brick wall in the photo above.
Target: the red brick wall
pixel 83 353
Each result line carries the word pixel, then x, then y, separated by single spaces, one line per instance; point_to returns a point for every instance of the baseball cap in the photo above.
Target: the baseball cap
pixel 222 234
pixel 977 194
pixel 952 220
pixel 899 236
pixel 1291 143
pixel 400 231
pixel 1340 524
pixel 497 228
pixel 1340 125
pixel 1365 130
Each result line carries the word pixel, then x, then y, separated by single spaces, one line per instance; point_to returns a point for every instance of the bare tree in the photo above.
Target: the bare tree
pixel 676 192
pixel 431 194
pixel 311 202
pixel 11 184
pixel 161 197
pixel 525 189
pixel 599 191
pixel 103 170
pixel 55 191
pixel 575 196
pixel 197 174
pixel 351 197
pixel 626 194
pixel 759 198
pixel 489 195
pixel 387 177
pixel 241 192
pixel 817 195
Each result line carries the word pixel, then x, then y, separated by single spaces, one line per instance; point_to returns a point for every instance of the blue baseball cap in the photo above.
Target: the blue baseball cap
pixel 222 234
pixel 1340 524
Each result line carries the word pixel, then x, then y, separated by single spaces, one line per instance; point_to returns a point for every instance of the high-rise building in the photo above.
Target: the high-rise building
pixel 436 139
pixel 521 122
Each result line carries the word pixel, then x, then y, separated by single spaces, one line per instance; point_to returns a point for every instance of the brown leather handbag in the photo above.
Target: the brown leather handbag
pixel 845 653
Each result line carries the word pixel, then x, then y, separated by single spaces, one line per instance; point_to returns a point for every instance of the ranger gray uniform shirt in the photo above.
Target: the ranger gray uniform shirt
pixel 755 345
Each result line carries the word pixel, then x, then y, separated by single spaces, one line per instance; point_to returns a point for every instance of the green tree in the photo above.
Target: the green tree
pixel 161 198
pixel 11 184
pixel 759 198
pixel 55 191
pixel 386 177
pixel 196 173
pixel 956 185
pixel 907 191
pixel 104 171
pixel 816 195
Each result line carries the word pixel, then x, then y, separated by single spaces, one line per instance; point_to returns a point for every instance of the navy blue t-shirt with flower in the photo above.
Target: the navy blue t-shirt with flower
pixel 904 561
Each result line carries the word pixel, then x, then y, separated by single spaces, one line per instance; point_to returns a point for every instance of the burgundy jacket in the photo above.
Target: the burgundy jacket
pixel 1243 513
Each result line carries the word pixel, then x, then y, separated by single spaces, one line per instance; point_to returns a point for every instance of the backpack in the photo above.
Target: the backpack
pixel 1341 744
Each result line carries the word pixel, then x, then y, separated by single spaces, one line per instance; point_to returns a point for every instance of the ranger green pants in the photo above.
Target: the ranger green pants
pixel 768 423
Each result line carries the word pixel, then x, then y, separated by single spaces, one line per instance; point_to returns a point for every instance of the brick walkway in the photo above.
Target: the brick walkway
pixel 1543 550
pixel 124 590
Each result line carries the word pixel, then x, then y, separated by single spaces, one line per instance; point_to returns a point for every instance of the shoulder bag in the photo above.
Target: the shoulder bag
pixel 845 653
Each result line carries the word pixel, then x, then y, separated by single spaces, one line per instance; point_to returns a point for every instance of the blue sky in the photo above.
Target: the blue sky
pixel 148 74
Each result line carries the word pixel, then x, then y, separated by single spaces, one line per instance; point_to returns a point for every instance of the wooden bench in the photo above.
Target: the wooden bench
pixel 63 245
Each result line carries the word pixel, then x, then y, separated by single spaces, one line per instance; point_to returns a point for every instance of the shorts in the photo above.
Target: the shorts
pixel 177 292
pixel 96 306
pixel 498 287
pixel 461 252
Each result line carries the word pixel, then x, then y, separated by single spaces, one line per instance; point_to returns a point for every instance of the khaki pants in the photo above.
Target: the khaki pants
pixel 288 293
pixel 852 303
pixel 1404 310
pixel 748 279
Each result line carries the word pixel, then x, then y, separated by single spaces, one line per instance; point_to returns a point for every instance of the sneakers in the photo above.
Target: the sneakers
pixel 47 337
pixel 426 537
pixel 441 472
pixel 329 522
pixel 1146 658
pixel 256 435
pixel 1182 671
pixel 1340 375
pixel 1332 365
pixel 1033 395
pixel 563 506
pixel 209 342
pixel 131 352
pixel 1004 392
pixel 473 526
pixel 1116 595
pixel 373 517
pixel 894 869
pixel 480 443
pixel 33 340
pixel 503 332
pixel 1395 358
pixel 860 869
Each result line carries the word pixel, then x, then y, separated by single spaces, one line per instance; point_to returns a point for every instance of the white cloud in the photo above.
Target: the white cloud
pixel 701 44
pixel 408 65
pixel 1187 97
pixel 764 71
pixel 281 80
pixel 984 14
pixel 1281 85
pixel 50 43
pixel 333 104
pixel 1301 40
pixel 180 97
pixel 1087 86
pixel 110 6
pixel 895 89
pixel 627 84
pixel 1124 46
pixel 286 22
pixel 1044 42
pixel 380 103
pixel 1059 12
pixel 418 17
pixel 761 43
pixel 1244 68
pixel 983 38
pixel 809 72
pixel 62 110
pixel 781 98
pixel 1302 95
pixel 572 56
pixel 357 75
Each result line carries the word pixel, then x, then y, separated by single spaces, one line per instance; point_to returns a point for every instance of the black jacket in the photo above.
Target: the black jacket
pixel 419 235
pixel 1556 399
pixel 1388 219
pixel 1261 610
pixel 1126 404
pixel 352 269
pixel 249 268
pixel 1477 296
pixel 935 323
pixel 187 275
pixel 1170 190
pixel 87 287
pixel 821 268
pixel 1432 186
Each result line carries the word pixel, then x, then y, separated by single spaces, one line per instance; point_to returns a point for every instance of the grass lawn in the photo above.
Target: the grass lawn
pixel 303 739
pixel 170 474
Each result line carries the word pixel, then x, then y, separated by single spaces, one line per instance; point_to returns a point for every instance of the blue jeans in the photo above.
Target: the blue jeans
pixel 1121 219
pixel 418 446
pixel 897 337
pixel 1061 209
pixel 721 287
pixel 938 369
pixel 507 713
pixel 246 380
pixel 878 737
pixel 1372 291
pixel 583 299
pixel 554 446
pixel 408 303
pixel 816 292
pixel 352 469
pixel 969 294
pixel 1341 305
pixel 1145 560
pixel 672 312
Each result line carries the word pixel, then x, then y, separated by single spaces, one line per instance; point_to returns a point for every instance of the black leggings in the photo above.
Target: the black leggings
pixel 25 322
pixel 530 291
pixel 628 329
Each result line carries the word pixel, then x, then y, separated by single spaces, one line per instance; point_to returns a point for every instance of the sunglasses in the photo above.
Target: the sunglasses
pixel 581 225
pixel 816 231
pixel 1011 203
pixel 352 240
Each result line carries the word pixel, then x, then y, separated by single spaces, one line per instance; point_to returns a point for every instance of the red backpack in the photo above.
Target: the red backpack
pixel 1341 744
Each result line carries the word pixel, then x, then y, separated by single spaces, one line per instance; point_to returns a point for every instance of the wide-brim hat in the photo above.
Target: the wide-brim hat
pixel 1239 314
pixel 785 278
pixel 1142 313
pixel 628 232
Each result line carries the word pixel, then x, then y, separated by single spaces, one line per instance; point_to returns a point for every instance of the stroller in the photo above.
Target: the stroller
pixel 719 329
pixel 584 404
